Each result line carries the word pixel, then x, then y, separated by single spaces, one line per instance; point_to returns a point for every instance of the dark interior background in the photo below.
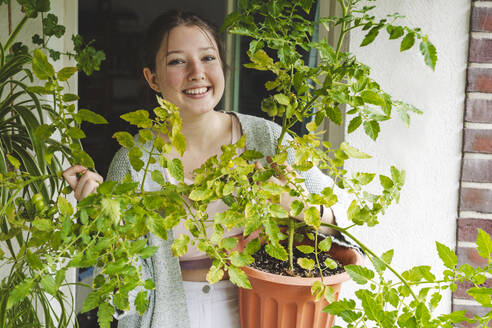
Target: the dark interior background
pixel 117 27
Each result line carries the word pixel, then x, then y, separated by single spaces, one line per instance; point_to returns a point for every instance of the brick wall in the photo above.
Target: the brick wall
pixel 475 208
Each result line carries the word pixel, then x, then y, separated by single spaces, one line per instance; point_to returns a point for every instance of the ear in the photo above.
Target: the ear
pixel 151 79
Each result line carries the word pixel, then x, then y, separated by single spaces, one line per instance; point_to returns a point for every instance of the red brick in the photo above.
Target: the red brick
pixel 479 79
pixel 470 311
pixel 478 110
pixel 477 170
pixel 478 141
pixel 463 287
pixel 474 199
pixel 481 20
pixel 470 255
pixel 481 49
pixel 468 228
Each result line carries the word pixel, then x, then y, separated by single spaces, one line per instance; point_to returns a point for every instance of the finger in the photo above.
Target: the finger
pixel 258 166
pixel 89 188
pixel 89 178
pixel 70 175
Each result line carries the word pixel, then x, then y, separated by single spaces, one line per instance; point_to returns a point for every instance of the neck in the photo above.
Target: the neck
pixel 202 131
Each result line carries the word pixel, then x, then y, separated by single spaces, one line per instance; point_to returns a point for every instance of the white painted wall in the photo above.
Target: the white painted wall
pixel 430 150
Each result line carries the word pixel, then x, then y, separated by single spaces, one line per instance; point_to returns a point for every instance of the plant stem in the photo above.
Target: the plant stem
pixel 368 251
pixel 147 168
pixel 291 230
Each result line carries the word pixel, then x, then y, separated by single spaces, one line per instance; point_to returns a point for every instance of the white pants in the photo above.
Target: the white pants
pixel 212 306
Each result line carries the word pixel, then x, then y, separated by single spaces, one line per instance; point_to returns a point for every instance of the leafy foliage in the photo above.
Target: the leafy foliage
pixel 108 229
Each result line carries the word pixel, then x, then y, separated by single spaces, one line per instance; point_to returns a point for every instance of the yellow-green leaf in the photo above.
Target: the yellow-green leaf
pixel 305 263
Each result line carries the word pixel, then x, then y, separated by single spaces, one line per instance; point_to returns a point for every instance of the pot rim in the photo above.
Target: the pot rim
pixel 301 281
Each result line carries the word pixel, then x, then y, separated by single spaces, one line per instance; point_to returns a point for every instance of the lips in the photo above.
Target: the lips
pixel 196 91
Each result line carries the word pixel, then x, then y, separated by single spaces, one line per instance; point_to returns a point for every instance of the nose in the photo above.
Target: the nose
pixel 196 71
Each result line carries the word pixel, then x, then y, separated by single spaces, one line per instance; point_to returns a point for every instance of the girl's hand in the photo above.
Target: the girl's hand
pixel 84 185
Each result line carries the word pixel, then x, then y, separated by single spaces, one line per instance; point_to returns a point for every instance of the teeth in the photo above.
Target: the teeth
pixel 196 91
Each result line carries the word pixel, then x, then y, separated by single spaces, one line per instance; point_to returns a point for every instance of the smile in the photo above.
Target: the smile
pixel 196 91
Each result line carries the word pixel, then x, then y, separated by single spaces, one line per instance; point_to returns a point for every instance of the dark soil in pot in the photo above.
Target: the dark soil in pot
pixel 266 263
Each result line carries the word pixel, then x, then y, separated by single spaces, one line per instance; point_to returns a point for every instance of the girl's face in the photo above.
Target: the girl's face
pixel 188 70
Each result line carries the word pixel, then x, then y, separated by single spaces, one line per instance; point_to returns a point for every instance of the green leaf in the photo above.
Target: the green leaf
pixel 158 177
pixel 49 285
pixel 19 292
pixel 121 302
pixel 296 208
pixel 253 222
pixel 148 251
pixel 484 244
pixel 201 194
pixel 14 161
pixel 239 278
pixel 372 97
pixel 70 97
pixel 176 169
pixel 253 246
pixel 156 226
pixel 306 249
pixel 179 142
pixel 149 284
pixel 369 38
pixel 251 155
pixel 43 225
pixel 448 257
pixel 141 302
pixel 386 182
pixel 112 209
pixel 430 54
pixel 241 259
pixel 395 32
pixel 330 263
pixel 65 73
pixel 41 67
pixel 482 295
pixel 352 151
pixel 359 274
pixel 134 156
pixel 408 41
pixel 276 251
pixel 312 217
pixel 215 274
pixel 325 244
pixel 277 211
pixel 180 245
pixel 75 133
pixel 282 99
pixel 371 128
pixel 305 263
pixel 91 301
pixel 64 206
pixel 125 139
pixel 140 118
pixel 44 131
pixel 228 243
pixel 89 116
pixel 343 309
pixel 354 124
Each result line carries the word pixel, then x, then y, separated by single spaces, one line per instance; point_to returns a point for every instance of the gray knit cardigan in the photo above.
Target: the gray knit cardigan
pixel 167 303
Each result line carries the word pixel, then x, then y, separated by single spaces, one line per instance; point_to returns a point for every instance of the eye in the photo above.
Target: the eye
pixel 209 58
pixel 175 62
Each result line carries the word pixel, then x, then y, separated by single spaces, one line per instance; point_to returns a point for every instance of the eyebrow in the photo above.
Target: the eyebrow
pixel 180 51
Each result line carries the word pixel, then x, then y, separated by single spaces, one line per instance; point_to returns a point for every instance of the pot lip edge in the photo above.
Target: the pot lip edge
pixel 301 281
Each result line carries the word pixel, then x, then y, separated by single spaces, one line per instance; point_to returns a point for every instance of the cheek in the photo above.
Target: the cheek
pixel 170 80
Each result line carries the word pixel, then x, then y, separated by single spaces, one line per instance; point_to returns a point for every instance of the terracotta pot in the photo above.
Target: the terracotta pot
pixel 286 302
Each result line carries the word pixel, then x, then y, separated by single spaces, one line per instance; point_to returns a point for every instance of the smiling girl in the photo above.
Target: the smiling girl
pixel 184 63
